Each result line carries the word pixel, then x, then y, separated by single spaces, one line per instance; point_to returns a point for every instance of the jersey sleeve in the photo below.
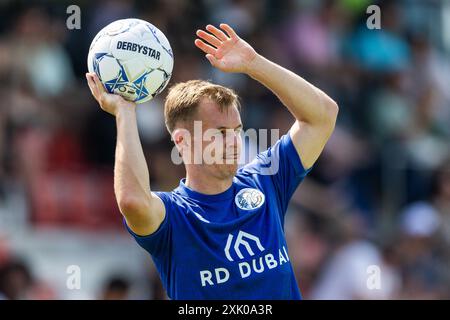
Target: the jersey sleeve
pixel 157 243
pixel 281 167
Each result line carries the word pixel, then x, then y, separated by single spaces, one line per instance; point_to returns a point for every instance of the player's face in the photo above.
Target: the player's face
pixel 221 144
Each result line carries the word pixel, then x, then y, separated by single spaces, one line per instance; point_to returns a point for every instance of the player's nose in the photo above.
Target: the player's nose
pixel 232 139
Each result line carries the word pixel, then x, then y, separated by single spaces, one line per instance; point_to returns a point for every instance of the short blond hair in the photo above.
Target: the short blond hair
pixel 183 99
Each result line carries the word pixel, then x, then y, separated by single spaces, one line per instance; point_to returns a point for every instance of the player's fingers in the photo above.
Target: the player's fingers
pixel 92 85
pixel 218 33
pixel 209 38
pixel 98 84
pixel 206 48
pixel 214 62
pixel 229 30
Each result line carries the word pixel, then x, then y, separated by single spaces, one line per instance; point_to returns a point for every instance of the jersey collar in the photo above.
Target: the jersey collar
pixel 186 191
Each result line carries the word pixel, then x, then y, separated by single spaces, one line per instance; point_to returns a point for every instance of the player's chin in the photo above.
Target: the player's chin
pixel 228 169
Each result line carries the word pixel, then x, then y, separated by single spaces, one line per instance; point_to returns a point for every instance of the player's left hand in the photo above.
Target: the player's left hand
pixel 226 52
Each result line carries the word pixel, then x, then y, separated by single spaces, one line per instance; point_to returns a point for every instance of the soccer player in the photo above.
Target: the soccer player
pixel 220 233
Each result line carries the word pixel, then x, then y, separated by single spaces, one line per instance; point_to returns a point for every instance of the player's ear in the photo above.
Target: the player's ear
pixel 182 139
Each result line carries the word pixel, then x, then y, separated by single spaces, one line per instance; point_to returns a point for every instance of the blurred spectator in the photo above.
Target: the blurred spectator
pixel 5 250
pixel 15 280
pixel 314 36
pixel 381 50
pixel 440 200
pixel 419 220
pixel 116 288
pixel 346 275
pixel 38 54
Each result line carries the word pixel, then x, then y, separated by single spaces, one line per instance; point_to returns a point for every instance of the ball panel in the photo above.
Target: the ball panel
pixel 160 38
pixel 133 68
pixel 132 58
pixel 153 80
pixel 117 27
pixel 106 66
pixel 147 51
pixel 90 61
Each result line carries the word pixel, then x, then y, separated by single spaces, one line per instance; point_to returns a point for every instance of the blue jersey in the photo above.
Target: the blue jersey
pixel 230 245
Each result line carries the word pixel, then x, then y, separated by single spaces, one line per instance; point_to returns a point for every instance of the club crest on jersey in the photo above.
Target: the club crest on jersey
pixel 249 199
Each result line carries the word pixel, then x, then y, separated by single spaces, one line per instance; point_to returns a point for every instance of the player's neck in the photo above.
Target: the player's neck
pixel 207 185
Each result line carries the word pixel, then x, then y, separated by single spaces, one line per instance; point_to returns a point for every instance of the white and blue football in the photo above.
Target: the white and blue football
pixel 132 58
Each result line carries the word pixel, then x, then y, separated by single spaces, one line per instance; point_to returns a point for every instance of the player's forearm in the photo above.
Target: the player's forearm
pixel 131 177
pixel 306 102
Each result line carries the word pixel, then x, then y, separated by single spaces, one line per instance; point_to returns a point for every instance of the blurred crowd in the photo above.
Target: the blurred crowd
pixel 376 202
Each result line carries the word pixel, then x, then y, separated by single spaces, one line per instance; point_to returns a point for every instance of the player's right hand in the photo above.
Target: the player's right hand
pixel 110 103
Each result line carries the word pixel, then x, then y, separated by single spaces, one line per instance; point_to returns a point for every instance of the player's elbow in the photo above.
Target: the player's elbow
pixel 330 114
pixel 332 110
pixel 131 205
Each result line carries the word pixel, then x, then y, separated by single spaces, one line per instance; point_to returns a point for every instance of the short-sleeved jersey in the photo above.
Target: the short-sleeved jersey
pixel 230 245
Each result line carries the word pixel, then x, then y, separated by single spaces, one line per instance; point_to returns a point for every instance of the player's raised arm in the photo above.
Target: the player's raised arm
pixel 142 210
pixel 314 111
